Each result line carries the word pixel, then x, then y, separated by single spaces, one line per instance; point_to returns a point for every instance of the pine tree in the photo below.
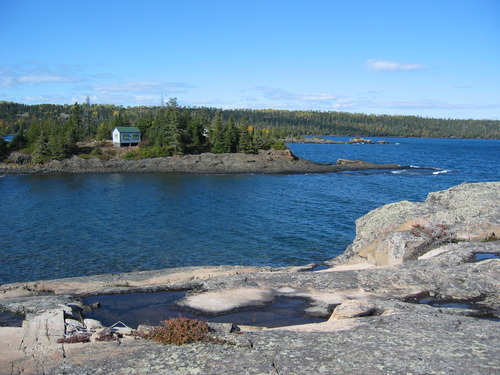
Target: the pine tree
pixel 174 136
pixel 104 132
pixel 231 136
pixel 75 120
pixel 19 141
pixel 246 144
pixel 3 148
pixel 41 149
pixel 217 138
pixel 56 145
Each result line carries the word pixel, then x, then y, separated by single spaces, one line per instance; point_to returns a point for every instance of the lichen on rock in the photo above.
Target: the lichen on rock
pixel 405 230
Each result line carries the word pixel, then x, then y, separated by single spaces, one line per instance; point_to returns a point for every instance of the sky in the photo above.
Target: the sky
pixel 429 58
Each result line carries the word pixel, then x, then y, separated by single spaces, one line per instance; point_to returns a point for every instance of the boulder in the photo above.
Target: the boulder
pixel 19 158
pixel 352 308
pixel 92 324
pixel 405 230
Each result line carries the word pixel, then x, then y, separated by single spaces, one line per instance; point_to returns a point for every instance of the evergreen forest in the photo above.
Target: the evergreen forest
pixel 50 131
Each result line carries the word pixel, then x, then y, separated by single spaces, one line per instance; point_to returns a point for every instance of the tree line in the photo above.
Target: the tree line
pixel 166 130
pixel 51 131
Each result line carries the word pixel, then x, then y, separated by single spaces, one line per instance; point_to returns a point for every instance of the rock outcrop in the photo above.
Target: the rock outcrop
pixel 406 230
pixel 272 161
pixel 431 306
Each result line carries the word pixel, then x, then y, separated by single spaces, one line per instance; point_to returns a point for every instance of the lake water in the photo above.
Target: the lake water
pixel 64 225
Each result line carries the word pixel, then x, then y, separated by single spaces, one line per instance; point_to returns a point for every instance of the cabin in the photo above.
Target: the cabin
pixel 126 136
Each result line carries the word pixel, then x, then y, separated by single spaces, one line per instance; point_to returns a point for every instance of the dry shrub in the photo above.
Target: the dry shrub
pixel 79 337
pixel 179 331
pixel 433 232
pixel 107 335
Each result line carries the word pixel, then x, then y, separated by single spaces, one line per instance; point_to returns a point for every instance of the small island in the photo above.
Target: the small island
pixel 322 140
pixel 264 162
pixel 38 137
pixel 167 140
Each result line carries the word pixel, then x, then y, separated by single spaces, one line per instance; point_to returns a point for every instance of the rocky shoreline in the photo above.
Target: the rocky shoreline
pixel 266 162
pixel 416 292
pixel 321 140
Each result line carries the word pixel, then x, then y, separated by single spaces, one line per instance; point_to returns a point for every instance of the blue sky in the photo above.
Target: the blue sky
pixel 431 58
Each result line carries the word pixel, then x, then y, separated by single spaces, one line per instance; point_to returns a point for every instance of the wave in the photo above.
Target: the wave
pixel 441 171
pixel 421 171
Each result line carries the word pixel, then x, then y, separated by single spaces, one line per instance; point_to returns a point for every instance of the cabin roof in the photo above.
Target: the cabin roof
pixel 128 129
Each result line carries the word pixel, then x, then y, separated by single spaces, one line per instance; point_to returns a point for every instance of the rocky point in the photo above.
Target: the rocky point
pixel 415 293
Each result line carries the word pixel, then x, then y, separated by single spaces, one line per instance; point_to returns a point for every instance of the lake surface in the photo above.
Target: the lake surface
pixel 63 225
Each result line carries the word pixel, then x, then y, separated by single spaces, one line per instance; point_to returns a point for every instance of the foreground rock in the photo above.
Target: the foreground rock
pixel 272 161
pixel 386 318
pixel 406 230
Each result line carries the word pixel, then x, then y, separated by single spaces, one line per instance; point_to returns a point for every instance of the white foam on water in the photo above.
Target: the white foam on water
pixel 441 171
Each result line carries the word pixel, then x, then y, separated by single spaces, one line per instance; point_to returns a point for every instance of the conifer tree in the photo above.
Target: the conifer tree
pixel 3 148
pixel 174 136
pixel 246 144
pixel 41 148
pixel 76 121
pixel 231 136
pixel 217 137
pixel 56 146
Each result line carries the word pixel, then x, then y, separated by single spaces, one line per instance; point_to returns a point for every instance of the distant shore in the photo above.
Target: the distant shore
pixel 266 162
pixel 321 140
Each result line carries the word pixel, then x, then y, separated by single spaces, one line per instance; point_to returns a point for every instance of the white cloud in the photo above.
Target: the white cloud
pixel 391 66
pixel 35 74
pixel 343 104
pixel 51 99
pixel 36 80
pixel 280 94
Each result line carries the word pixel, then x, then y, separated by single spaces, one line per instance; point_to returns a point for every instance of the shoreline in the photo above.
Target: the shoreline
pixel 266 162
pixel 387 294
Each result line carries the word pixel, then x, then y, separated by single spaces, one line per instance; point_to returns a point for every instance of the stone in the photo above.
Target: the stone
pixel 92 324
pixel 226 300
pixel 223 327
pixel 397 232
pixel 73 325
pixel 352 309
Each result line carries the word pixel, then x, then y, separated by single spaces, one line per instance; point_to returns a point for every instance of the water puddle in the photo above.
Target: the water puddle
pixel 471 307
pixel 484 256
pixel 8 319
pixel 152 308
pixel 447 304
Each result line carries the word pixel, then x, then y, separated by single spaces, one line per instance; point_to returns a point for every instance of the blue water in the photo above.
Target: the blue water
pixel 73 225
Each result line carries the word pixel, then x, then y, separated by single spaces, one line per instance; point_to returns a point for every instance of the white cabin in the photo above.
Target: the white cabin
pixel 126 136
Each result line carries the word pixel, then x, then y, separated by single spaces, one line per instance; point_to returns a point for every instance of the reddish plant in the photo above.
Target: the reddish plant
pixel 432 231
pixel 79 337
pixel 179 331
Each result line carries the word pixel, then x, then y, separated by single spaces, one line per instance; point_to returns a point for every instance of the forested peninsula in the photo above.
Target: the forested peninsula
pixel 56 132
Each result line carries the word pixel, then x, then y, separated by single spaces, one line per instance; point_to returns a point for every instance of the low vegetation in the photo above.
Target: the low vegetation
pixel 433 232
pixel 179 331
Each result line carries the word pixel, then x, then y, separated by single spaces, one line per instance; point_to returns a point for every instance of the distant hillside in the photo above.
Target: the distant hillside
pixel 14 116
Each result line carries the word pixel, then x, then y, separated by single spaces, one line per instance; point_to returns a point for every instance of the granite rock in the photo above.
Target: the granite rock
pixel 395 318
pixel 402 231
